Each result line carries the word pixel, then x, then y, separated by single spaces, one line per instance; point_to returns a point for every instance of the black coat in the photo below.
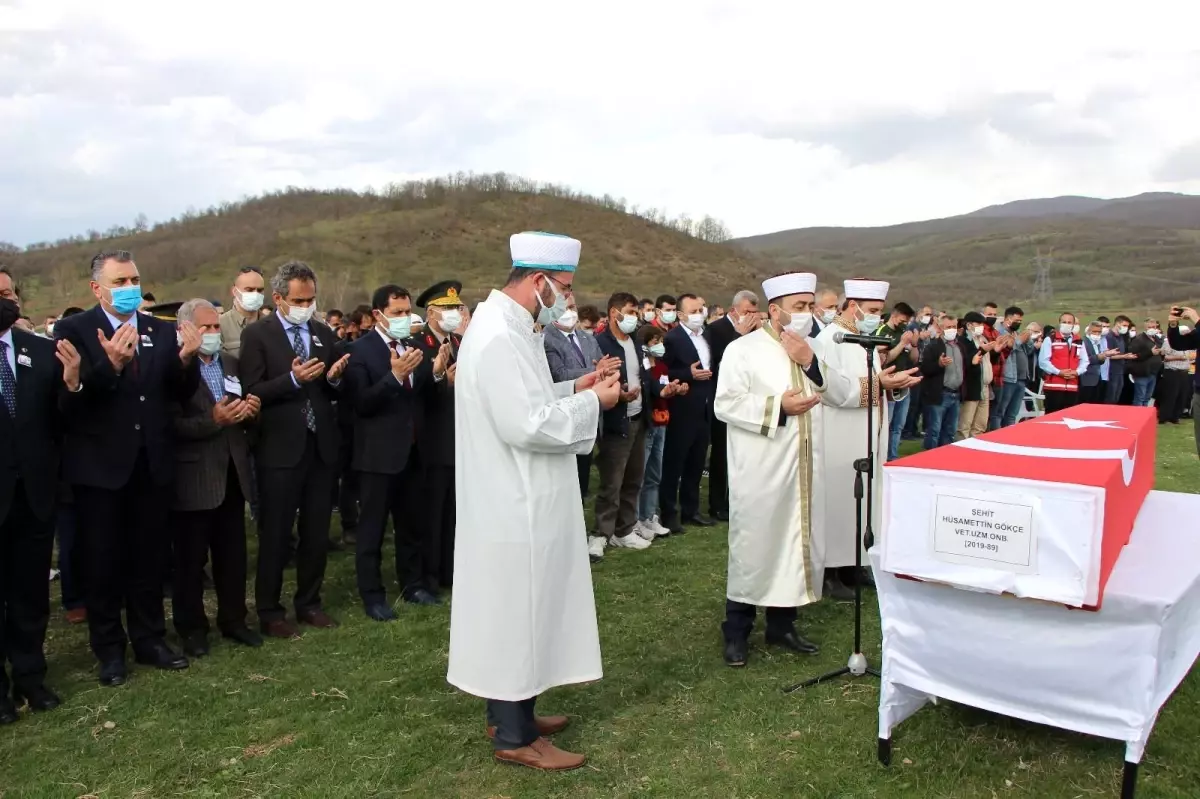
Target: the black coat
pixel 933 373
pixel 266 372
pixel 719 335
pixel 29 444
pixel 695 407
pixel 114 416
pixel 435 434
pixel 387 413
pixel 615 421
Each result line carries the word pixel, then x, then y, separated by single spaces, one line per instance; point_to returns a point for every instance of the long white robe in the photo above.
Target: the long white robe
pixel 841 436
pixel 523 617
pixel 774 560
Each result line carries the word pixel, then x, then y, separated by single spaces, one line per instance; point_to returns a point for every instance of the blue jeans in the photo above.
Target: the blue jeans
pixel 897 417
pixel 1143 390
pixel 648 499
pixel 1008 406
pixel 941 420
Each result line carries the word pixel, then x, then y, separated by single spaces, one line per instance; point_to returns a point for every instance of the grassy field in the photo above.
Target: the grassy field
pixel 365 711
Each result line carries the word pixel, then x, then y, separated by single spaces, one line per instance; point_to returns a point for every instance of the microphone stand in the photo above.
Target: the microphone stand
pixel 864 534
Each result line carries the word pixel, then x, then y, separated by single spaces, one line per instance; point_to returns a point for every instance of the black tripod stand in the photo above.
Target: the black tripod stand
pixel 863 534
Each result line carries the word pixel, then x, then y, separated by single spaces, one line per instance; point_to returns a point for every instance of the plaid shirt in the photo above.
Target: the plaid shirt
pixel 214 377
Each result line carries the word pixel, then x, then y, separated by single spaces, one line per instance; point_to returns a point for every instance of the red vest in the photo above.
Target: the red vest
pixel 1063 356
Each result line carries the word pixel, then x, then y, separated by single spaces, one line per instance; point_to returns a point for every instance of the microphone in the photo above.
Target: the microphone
pixel 842 337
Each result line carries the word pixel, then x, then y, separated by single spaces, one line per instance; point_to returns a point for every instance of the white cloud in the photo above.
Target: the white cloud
pixel 766 114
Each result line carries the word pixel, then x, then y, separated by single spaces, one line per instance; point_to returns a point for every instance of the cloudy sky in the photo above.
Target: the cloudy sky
pixel 768 115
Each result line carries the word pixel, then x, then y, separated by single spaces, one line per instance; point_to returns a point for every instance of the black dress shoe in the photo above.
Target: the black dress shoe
pixel 421 597
pixel 38 697
pixel 244 636
pixel 196 645
pixel 161 656
pixel 866 577
pixel 673 525
pixel 113 673
pixel 836 589
pixel 736 653
pixel 721 516
pixel 8 713
pixel 795 642
pixel 699 520
pixel 380 612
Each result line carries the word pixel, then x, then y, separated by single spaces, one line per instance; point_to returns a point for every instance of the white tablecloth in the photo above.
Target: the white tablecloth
pixel 1105 673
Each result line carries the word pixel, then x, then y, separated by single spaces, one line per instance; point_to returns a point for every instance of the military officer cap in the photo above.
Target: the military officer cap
pixel 444 294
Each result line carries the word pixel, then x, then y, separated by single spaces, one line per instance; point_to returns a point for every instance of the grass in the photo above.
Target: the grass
pixel 365 711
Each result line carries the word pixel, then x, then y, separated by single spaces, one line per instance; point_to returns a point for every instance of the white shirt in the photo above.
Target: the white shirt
pixel 131 321
pixel 701 345
pixel 633 372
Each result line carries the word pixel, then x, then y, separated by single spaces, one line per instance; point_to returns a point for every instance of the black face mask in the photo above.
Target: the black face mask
pixel 1014 327
pixel 990 321
pixel 9 314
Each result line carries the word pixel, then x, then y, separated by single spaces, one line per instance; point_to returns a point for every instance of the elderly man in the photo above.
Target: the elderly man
pixel 825 311
pixel 743 318
pixel 212 481
pixel 523 618
pixel 119 457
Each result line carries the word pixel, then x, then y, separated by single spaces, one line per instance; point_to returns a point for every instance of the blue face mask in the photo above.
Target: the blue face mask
pixel 126 299
pixel 400 327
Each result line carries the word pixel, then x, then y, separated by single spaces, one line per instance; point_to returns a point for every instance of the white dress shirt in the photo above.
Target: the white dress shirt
pixel 701 345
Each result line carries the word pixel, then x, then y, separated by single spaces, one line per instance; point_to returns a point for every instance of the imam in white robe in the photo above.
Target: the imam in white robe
pixel 774 560
pixel 841 437
pixel 523 617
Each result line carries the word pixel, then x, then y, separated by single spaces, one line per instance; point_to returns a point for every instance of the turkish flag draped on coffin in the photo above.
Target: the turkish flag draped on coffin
pixel 1039 510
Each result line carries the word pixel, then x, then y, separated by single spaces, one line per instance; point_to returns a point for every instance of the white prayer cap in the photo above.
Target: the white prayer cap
pixel 549 251
pixel 863 289
pixel 791 283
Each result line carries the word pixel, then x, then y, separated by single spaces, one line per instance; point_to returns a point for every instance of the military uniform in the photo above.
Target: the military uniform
pixel 435 440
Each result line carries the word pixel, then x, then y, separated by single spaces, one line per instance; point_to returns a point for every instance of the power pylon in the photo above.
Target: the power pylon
pixel 1043 289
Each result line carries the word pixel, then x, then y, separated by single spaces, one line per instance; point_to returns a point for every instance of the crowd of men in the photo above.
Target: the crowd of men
pixel 143 441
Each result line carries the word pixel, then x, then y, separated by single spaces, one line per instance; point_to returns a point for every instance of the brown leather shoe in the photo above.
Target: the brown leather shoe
pixel 317 618
pixel 280 628
pixel 541 755
pixel 76 615
pixel 546 725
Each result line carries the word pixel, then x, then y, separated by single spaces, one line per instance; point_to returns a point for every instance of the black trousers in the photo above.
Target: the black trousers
pixel 1092 394
pixel 1171 385
pixel 584 464
pixel 346 485
pixel 26 549
pixel 915 416
pixel 438 533
pixel 683 466
pixel 739 621
pixel 718 470
pixel 515 723
pixel 306 489
pixel 123 542
pixel 69 567
pixel 223 531
pixel 1058 400
pixel 397 496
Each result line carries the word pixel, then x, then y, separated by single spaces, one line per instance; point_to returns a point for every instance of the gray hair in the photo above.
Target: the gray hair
pixel 292 270
pixel 744 296
pixel 101 258
pixel 187 311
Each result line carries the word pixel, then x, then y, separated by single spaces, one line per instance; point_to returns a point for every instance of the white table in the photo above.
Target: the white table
pixel 1105 673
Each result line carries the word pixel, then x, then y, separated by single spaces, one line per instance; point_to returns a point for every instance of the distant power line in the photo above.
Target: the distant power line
pixel 1043 289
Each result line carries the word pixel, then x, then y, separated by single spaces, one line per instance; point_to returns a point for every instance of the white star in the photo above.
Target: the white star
pixel 1080 424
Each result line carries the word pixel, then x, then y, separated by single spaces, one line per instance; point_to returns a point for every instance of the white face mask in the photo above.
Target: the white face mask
pixel 800 324
pixel 628 324
pixel 554 311
pixel 1104 331
pixel 925 319
pixel 657 350
pixel 568 320
pixel 210 343
pixel 648 316
pixel 1094 338
pixel 669 317
pixel 250 300
pixel 869 323
pixel 50 329
pixel 827 316
pixel 451 320
pixel 1075 330
pixel 298 315
pixel 1122 329
pixel 695 322
pixel 1066 329
pixel 950 335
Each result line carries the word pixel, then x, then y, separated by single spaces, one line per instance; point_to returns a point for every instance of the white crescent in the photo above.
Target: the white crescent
pixel 1128 461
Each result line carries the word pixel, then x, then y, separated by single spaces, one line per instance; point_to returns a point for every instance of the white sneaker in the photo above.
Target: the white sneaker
pixel 596 546
pixel 644 530
pixel 657 526
pixel 631 541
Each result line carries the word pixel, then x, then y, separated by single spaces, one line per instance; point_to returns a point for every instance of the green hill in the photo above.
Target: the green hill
pixel 1133 254
pixel 413 234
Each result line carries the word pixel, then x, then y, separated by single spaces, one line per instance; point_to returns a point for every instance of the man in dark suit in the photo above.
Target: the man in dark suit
pixel 288 362
pixel 119 458
pixel 742 318
pixel 435 436
pixel 212 480
pixel 31 379
pixel 385 383
pixel 689 360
